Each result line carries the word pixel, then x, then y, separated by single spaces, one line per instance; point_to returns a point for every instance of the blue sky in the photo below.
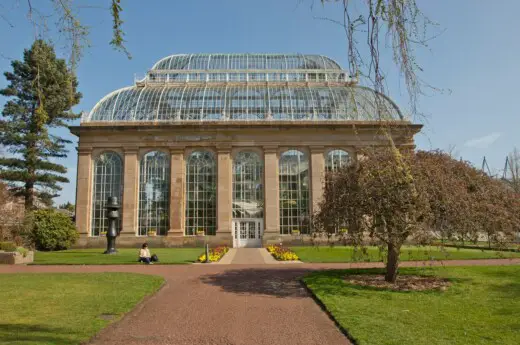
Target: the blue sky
pixel 475 60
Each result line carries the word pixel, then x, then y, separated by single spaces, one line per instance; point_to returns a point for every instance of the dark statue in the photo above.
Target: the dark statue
pixel 112 215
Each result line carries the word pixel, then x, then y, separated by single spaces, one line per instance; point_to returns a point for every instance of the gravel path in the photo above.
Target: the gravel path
pixel 227 304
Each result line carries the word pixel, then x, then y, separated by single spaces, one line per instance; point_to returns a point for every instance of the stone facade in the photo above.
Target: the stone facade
pixel 132 140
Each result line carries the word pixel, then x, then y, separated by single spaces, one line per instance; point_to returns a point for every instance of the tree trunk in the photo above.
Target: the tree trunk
pixel 392 263
pixel 29 196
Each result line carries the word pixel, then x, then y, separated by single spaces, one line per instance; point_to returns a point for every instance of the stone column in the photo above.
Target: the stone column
pixel 177 192
pixel 271 193
pixel 84 190
pixel 130 192
pixel 224 190
pixel 317 176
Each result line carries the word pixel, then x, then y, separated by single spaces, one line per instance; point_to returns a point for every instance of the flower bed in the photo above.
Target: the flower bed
pixel 281 253
pixel 215 254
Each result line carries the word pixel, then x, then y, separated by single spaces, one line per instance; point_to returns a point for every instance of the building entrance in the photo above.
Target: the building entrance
pixel 247 233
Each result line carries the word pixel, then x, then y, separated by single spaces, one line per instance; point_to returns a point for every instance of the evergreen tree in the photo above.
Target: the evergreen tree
pixel 42 91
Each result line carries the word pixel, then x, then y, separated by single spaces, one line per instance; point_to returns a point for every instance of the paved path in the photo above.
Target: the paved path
pixel 248 256
pixel 226 304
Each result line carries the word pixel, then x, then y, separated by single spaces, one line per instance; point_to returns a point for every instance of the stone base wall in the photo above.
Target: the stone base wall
pixel 15 258
pixel 126 241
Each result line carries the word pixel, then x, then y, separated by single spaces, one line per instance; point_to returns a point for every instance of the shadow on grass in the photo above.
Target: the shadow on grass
pixel 12 333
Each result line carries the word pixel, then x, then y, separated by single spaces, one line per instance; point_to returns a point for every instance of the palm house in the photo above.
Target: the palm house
pixel 226 148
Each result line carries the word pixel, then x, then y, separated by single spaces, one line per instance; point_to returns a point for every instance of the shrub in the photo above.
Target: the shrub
pixel 215 254
pixel 51 230
pixel 281 253
pixel 22 251
pixel 7 246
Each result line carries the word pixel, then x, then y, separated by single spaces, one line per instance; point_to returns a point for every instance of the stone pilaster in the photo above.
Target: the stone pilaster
pixel 130 192
pixel 317 176
pixel 224 190
pixel 84 191
pixel 177 192
pixel 271 192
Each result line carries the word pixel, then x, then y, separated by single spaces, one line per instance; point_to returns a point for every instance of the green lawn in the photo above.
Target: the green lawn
pixel 65 308
pixel 408 253
pixel 481 307
pixel 126 256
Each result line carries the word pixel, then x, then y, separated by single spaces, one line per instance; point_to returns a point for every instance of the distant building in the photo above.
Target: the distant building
pixel 234 146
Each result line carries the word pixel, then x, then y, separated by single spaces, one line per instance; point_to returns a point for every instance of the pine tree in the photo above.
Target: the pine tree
pixel 42 91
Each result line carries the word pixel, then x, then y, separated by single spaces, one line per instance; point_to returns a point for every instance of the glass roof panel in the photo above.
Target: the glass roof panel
pixel 245 61
pixel 244 102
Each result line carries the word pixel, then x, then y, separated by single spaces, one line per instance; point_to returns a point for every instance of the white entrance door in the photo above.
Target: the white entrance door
pixel 248 233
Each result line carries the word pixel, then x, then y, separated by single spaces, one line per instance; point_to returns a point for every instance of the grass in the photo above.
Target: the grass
pixel 484 245
pixel 481 307
pixel 65 308
pixel 408 253
pixel 126 256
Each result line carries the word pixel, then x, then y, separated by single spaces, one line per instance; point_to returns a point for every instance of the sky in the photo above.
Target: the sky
pixel 473 63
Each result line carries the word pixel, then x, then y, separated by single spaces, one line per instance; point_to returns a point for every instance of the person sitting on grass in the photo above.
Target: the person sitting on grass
pixel 144 255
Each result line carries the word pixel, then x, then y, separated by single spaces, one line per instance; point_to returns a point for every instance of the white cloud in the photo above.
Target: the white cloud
pixel 483 142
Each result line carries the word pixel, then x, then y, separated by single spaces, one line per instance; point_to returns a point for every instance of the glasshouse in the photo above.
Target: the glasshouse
pixel 224 148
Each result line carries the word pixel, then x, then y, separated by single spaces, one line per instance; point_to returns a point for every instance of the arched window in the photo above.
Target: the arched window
pixel 154 193
pixel 108 181
pixel 294 192
pixel 201 193
pixel 248 191
pixel 337 159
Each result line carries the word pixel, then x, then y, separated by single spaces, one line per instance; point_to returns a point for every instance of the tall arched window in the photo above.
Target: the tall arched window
pixel 294 192
pixel 248 191
pixel 108 181
pixel 201 193
pixel 154 193
pixel 337 159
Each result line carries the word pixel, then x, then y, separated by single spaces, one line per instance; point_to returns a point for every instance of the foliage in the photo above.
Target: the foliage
pixel 404 28
pixel 394 196
pixel 43 91
pixel 51 230
pixel 466 202
pixel 124 256
pixel 68 206
pixel 11 216
pixel 65 308
pixel 66 15
pixel 117 37
pixel 215 254
pixel 476 309
pixel 512 170
pixel 8 246
pixel 281 253
pixel 22 251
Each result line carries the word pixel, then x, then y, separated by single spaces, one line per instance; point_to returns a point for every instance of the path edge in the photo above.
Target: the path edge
pixel 137 307
pixel 324 308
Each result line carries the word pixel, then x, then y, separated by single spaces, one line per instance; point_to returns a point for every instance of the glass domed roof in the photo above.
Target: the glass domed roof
pixel 250 87
pixel 245 62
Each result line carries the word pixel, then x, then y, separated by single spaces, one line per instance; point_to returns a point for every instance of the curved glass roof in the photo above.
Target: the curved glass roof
pixel 243 102
pixel 252 87
pixel 245 62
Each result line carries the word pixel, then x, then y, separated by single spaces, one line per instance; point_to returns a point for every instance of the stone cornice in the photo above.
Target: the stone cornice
pixel 151 127
pixel 270 149
pixel 131 150
pixel 177 150
pixel 224 148
pixel 316 149
pixel 84 150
